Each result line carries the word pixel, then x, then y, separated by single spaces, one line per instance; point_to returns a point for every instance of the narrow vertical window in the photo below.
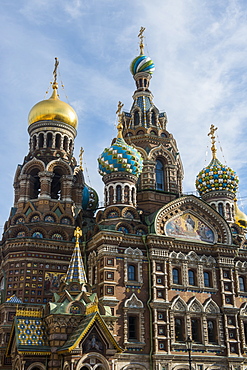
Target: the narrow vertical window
pixel 195 330
pixel 131 272
pixel 221 209
pixel 118 193
pixel 207 280
pixel 175 276
pixel 136 118
pixel 159 172
pixel 191 276
pixel 241 284
pixel 211 332
pixel 179 330
pixel 132 321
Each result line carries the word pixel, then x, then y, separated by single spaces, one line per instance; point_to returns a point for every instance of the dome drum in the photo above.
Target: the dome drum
pixel 51 126
pixel 119 176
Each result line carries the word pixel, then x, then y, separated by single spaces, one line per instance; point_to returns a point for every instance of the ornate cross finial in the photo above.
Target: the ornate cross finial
pixel 141 40
pixel 120 124
pixel 54 85
pixel 81 156
pixel 77 234
pixel 212 134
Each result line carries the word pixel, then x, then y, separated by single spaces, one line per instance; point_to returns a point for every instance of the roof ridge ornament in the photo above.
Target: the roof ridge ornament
pixel 140 35
pixel 213 141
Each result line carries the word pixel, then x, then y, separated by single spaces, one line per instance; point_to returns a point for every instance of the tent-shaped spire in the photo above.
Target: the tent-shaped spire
pixel 76 271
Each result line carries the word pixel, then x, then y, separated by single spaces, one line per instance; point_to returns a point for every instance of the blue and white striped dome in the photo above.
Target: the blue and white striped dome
pixel 142 64
pixel 120 157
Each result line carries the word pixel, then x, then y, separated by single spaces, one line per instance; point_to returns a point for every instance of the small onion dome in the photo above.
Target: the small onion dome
pixel 215 177
pixel 90 199
pixel 120 157
pixel 53 109
pixel 142 64
pixel 240 217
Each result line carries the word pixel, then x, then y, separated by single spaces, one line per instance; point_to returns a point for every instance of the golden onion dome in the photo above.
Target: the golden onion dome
pixel 240 217
pixel 53 109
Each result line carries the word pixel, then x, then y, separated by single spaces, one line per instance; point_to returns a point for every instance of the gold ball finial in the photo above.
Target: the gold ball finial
pixel 213 141
pixel 120 123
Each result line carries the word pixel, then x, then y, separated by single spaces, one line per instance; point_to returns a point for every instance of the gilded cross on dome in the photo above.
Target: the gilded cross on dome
pixel 140 35
pixel 54 85
pixel 212 134
pixel 120 123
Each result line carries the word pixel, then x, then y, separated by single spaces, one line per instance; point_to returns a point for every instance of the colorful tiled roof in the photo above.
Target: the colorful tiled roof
pixel 76 271
pixel 216 177
pixel 30 332
pixel 120 157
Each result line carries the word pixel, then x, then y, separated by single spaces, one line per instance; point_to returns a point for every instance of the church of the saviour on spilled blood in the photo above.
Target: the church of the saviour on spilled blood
pixel 155 279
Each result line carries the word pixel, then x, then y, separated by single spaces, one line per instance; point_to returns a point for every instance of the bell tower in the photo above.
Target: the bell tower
pixel 50 193
pixel 145 128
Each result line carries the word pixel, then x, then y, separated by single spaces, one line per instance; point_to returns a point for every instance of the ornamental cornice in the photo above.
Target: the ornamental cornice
pixel 50 126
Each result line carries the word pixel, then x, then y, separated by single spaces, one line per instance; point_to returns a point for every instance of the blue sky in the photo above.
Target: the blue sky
pixel 200 52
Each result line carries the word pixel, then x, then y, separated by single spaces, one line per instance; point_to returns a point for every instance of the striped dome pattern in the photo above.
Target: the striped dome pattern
pixel 142 64
pixel 120 157
pixel 216 177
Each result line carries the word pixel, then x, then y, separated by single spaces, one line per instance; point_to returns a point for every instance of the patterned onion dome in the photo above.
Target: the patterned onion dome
pixel 142 64
pixel 215 177
pixel 120 157
pixel 90 199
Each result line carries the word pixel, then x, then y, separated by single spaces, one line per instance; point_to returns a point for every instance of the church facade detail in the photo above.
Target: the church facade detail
pixel 155 280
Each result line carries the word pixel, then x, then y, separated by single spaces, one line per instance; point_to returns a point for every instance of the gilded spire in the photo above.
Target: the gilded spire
pixel 213 141
pixel 140 35
pixel 76 271
pixel 120 123
pixel 81 156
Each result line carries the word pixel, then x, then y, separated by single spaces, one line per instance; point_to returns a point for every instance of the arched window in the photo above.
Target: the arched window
pixel 140 82
pixel 111 194
pixel 241 284
pixel 131 272
pixel 70 146
pixel 58 141
pixel 159 172
pixel 191 276
pixel 136 118
pixel 118 193
pixel 65 143
pixel 228 212
pixel 221 209
pixel 56 186
pixel 175 276
pixel 207 280
pixel 153 119
pixel 212 338
pixel 49 140
pixel 41 140
pixel 35 184
pixel 34 142
pixel 126 194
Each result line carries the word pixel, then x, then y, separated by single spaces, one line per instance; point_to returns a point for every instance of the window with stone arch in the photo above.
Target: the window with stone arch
pixel 133 266
pixel 160 175
pixel 134 321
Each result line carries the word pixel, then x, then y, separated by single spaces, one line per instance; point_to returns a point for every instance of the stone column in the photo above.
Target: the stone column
pixel 45 184
pixel 66 188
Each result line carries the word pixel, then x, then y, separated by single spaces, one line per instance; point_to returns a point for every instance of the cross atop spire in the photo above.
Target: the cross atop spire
pixel 212 134
pixel 120 123
pixel 140 35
